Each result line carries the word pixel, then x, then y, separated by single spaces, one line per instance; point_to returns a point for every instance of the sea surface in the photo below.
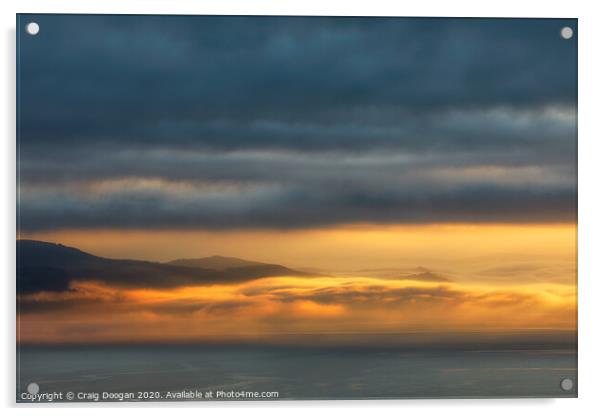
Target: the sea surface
pixel 151 372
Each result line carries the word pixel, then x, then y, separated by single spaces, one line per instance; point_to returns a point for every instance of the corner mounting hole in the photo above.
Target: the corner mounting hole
pixel 566 32
pixel 566 384
pixel 33 388
pixel 32 28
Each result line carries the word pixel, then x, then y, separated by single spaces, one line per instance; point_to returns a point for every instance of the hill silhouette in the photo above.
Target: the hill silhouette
pixel 238 268
pixel 43 266
pixel 215 262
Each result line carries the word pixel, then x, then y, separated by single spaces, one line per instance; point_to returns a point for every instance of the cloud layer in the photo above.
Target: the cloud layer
pixel 274 122
pixel 275 307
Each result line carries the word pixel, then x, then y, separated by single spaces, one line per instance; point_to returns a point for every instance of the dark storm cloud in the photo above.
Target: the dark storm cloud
pixel 195 99
pixel 184 78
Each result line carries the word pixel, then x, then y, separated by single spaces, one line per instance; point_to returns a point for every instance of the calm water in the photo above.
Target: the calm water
pixel 297 373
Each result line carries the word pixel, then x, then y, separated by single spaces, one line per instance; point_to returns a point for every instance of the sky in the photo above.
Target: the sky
pixel 357 149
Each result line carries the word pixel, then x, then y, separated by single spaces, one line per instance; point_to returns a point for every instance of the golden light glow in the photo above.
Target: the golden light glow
pixel 364 280
pixel 340 248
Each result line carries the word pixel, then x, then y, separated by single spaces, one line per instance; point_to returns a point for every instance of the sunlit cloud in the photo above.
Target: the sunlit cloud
pixel 279 305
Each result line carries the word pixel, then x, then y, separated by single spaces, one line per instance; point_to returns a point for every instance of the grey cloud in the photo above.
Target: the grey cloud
pixel 319 120
pixel 293 208
pixel 116 78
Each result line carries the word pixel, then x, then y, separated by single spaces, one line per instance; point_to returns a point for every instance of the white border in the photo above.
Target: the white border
pixel 590 206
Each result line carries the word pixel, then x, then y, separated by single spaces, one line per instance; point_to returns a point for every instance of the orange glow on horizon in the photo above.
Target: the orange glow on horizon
pixel 324 247
pixel 362 280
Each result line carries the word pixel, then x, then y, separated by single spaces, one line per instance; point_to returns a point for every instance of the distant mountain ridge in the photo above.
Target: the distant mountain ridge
pixel 43 266
pixel 215 262
pixel 238 267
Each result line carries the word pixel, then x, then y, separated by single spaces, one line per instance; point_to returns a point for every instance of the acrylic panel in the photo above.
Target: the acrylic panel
pixel 288 208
